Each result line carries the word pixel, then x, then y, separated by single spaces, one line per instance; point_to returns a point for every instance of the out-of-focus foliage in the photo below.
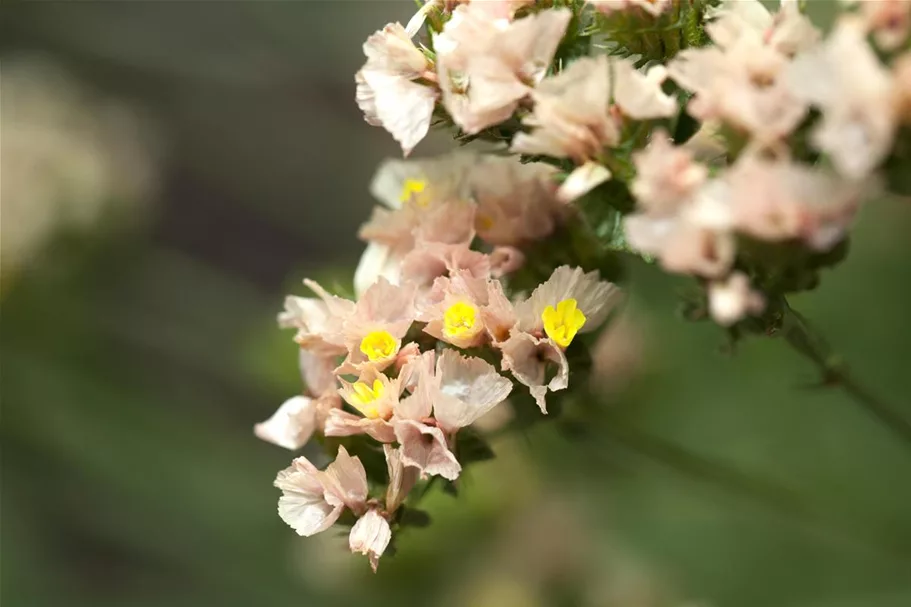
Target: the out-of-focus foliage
pixel 135 360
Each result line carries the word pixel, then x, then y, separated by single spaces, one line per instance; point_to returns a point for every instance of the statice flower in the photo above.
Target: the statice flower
pixel 855 93
pixel 394 87
pixel 487 65
pixel 741 79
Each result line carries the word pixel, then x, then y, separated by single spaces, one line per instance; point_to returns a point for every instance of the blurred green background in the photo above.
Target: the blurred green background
pixel 171 170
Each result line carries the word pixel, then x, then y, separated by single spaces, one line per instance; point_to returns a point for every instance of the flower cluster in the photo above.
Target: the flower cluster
pixel 391 365
pixel 724 141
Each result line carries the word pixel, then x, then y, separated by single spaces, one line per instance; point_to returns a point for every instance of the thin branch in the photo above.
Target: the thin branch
pixel 808 342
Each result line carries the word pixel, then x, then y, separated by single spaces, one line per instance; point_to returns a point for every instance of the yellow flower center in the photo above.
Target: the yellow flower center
pixel 363 395
pixel 378 345
pixel 459 319
pixel 485 222
pixel 415 190
pixel 563 322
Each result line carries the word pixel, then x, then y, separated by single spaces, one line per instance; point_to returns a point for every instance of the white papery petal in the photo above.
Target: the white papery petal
pixel 370 535
pixel 291 426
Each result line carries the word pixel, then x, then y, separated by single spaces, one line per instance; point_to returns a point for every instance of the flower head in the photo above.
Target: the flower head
pixel 486 65
pixel 312 500
pixel 387 88
pixel 570 301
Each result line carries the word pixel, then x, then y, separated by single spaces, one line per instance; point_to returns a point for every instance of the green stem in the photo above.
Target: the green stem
pixel 755 488
pixel 808 342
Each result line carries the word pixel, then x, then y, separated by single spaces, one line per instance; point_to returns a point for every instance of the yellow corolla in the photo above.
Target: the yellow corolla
pixel 363 397
pixel 415 190
pixel 563 322
pixel 459 319
pixel 378 345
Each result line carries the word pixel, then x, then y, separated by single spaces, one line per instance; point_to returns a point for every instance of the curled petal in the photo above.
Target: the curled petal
pixel 526 357
pixel 370 535
pixel 345 482
pixel 342 423
pixel 401 478
pixel 303 505
pixel 424 447
pixel 291 426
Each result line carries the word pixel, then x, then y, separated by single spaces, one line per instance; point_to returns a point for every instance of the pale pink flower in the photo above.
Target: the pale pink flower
pixel 844 78
pixel 666 175
pixel 570 301
pixel 370 536
pixel 691 238
pixel 467 388
pixel 732 300
pixel 487 65
pixel 571 117
pixel 312 500
pixel 423 265
pixel 651 7
pixel 422 183
pixel 694 249
pixel 422 200
pixel 779 200
pixel 741 79
pixel 387 92
pixel 888 20
pixel 516 202
pixel 528 358
pixel 741 86
pixel 453 313
pixel 373 333
pixel 505 260
pixel 318 321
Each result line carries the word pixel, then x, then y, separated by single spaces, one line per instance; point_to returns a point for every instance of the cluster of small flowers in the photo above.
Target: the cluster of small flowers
pixel 760 81
pixel 449 232
pixel 422 284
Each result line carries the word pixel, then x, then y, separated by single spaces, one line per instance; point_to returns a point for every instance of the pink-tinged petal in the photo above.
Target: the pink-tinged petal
pixel 302 504
pixel 345 482
pixel 401 478
pixel 291 426
pixel 469 388
pixel 370 536
pixel 571 117
pixel 581 181
pixel 527 357
pixel 342 423
pixel 424 447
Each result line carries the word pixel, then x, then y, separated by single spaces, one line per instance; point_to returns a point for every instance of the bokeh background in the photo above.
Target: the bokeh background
pixel 171 169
